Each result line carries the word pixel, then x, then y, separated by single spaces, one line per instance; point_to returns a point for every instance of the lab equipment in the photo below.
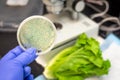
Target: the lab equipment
pixel 109 22
pixel 59 6
pixel 13 66
pixel 38 32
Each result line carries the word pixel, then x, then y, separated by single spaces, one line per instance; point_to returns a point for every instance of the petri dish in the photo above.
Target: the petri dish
pixel 37 32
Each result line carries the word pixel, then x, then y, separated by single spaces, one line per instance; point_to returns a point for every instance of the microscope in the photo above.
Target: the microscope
pixel 58 6
pixel 70 22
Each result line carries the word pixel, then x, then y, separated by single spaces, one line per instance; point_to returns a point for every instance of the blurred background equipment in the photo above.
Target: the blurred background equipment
pixel 114 9
pixel 106 14
pixel 58 6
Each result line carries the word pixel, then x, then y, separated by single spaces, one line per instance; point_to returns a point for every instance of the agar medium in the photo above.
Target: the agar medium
pixel 37 32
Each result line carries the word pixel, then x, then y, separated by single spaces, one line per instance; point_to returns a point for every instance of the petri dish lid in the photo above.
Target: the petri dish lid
pixel 38 32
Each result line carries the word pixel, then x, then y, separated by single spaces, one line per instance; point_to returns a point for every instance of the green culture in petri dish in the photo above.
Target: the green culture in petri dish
pixel 38 33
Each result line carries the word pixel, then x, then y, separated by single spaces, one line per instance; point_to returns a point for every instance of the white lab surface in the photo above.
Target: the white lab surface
pixel 113 54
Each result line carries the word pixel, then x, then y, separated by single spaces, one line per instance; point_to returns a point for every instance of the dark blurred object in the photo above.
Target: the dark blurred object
pixel 37 69
pixel 10 17
pixel 7 41
pixel 17 14
pixel 117 33
pixel 114 9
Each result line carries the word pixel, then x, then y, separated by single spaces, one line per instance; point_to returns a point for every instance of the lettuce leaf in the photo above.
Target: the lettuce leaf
pixel 82 60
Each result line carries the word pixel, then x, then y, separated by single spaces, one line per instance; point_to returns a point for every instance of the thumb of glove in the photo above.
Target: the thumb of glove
pixel 26 57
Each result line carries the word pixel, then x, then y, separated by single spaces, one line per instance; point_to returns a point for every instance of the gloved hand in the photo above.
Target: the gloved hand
pixel 13 66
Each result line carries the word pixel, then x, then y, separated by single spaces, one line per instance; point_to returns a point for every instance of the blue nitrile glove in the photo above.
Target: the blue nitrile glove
pixel 13 66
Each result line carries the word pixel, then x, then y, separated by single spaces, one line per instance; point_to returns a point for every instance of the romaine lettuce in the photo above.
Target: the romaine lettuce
pixel 82 60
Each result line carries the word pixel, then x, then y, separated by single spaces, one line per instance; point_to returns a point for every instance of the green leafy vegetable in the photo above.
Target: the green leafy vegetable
pixel 82 60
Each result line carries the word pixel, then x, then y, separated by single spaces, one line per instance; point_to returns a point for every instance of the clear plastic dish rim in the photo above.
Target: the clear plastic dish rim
pixel 40 17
